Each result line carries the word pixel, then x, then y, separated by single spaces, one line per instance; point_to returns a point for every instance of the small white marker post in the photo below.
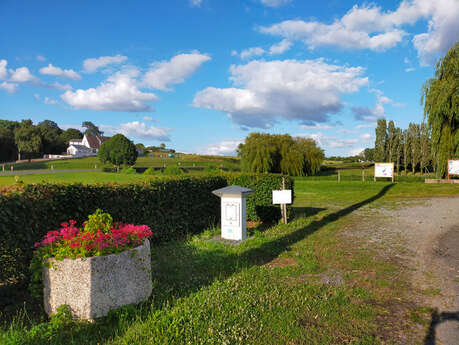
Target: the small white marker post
pixel 233 212
pixel 3 166
pixel 283 197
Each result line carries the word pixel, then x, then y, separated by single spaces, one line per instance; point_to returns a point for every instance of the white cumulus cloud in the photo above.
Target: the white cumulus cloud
pixel 9 87
pixel 22 75
pixel 119 93
pixel 166 73
pixel 251 52
pixel 265 91
pixel 3 71
pixel 281 47
pixel 138 130
pixel 226 147
pixel 57 71
pixel 370 27
pixel 93 64
pixel 60 86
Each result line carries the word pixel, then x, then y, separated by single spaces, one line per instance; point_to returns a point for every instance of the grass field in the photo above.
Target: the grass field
pixel 267 290
pixel 183 160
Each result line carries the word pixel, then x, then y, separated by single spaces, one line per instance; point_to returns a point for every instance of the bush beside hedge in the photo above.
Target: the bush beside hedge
pixel 173 208
pixel 260 204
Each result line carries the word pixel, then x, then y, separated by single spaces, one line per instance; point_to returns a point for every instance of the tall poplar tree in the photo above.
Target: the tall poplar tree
pixel 380 141
pixel 415 145
pixel 440 97
pixel 391 142
pixel 406 150
pixel 398 148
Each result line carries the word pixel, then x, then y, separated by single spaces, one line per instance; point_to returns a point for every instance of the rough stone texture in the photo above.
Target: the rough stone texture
pixel 91 287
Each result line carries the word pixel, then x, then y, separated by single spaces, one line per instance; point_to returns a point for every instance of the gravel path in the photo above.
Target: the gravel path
pixel 424 234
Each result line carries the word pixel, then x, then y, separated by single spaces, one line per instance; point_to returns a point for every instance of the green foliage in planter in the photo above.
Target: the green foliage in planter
pixel 260 204
pixel 98 220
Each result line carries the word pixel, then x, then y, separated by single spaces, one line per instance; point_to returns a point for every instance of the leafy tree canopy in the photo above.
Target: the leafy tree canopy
pixel 280 154
pixel 440 97
pixel 91 129
pixel 118 150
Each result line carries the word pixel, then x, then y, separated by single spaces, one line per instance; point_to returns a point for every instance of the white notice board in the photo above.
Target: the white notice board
pixel 282 196
pixel 453 167
pixel 384 169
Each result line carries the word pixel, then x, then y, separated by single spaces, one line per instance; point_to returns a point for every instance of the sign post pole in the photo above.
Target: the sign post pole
pixel 283 197
pixel 284 206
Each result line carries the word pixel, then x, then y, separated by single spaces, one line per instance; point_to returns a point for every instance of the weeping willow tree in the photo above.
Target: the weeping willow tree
pixel 440 96
pixel 263 153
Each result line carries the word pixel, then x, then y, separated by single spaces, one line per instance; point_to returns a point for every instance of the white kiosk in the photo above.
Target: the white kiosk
pixel 234 225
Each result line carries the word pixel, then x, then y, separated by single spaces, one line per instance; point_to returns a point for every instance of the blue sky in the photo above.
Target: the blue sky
pixel 201 75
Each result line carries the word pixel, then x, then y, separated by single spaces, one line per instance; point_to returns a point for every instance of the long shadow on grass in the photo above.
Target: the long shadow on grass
pixel 180 269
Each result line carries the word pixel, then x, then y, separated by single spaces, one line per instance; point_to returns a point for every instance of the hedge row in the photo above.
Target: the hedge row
pixel 173 208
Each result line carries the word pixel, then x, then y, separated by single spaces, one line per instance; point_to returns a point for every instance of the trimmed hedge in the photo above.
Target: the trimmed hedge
pixel 260 204
pixel 172 207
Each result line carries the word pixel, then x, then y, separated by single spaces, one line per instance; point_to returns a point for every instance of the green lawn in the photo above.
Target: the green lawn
pixel 89 177
pixel 231 163
pixel 267 290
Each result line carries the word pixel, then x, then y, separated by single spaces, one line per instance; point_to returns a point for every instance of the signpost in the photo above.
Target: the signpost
pixel 453 167
pixel 283 197
pixel 384 170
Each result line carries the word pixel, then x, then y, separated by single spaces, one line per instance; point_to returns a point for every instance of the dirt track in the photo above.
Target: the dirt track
pixel 424 236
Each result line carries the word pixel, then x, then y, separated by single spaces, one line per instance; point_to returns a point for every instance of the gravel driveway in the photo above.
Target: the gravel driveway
pixel 424 235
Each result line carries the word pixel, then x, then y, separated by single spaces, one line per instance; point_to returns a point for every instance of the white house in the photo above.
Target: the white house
pixel 88 146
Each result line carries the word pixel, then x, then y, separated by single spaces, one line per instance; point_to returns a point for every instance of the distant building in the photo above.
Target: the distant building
pixel 88 146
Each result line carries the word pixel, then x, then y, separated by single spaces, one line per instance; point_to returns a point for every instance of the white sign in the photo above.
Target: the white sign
pixel 282 196
pixel 384 169
pixel 453 167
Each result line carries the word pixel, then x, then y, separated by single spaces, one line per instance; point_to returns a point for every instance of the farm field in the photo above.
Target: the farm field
pixel 187 160
pixel 307 282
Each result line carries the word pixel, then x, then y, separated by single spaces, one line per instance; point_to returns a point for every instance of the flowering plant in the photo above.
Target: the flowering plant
pixel 99 236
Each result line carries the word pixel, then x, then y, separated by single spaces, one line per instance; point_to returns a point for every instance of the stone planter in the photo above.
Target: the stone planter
pixel 91 287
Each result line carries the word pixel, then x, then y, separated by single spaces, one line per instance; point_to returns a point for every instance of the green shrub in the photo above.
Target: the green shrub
pixel 129 170
pixel 172 170
pixel 260 204
pixel 173 208
pixel 152 171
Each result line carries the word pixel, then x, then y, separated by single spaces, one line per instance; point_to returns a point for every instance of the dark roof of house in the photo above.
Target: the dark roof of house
pixel 96 140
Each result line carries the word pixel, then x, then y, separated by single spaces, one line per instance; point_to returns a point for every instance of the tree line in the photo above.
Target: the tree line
pixel 24 140
pixel 409 148
pixel 268 153
pixel 426 146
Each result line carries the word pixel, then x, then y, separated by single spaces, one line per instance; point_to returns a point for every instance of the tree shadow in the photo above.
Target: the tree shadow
pixel 436 320
pixel 180 269
pixel 306 211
